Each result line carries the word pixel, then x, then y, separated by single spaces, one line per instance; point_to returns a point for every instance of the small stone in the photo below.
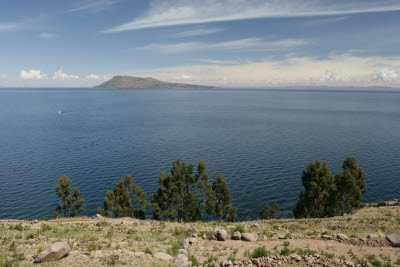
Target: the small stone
pixel 162 256
pixel 255 225
pixel 182 251
pixel 294 255
pixel 180 259
pixel 328 237
pixel 342 237
pixel 373 236
pixel 192 240
pixel 140 254
pixel 99 216
pixel 194 235
pixel 281 237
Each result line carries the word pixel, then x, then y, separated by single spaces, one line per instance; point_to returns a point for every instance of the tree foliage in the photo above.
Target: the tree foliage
pixel 185 196
pixel 326 195
pixel 268 212
pixel 319 196
pixel 223 205
pixel 351 185
pixel 126 200
pixel 68 201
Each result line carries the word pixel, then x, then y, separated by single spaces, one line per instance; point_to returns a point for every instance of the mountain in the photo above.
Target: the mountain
pixel 127 82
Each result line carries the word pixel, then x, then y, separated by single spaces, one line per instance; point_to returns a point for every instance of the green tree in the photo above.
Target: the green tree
pixel 205 192
pixel 223 205
pixel 351 186
pixel 269 212
pixel 63 190
pixel 175 198
pixel 126 200
pixel 319 198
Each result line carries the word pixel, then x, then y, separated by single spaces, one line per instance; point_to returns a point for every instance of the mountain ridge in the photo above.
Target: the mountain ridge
pixel 129 82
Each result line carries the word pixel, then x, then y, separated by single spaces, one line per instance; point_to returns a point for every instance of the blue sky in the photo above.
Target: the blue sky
pixel 229 43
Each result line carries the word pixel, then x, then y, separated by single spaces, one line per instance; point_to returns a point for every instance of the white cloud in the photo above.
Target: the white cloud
pixel 292 71
pixel 198 32
pixel 46 35
pixel 95 77
pixel 3 76
pixel 242 44
pixel 163 13
pixel 32 74
pixel 386 75
pixel 94 5
pixel 12 26
pixel 59 75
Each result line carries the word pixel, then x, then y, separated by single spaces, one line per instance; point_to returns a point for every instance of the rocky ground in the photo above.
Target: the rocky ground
pixel 369 237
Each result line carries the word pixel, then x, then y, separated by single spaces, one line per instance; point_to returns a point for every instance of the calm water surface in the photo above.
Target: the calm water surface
pixel 259 140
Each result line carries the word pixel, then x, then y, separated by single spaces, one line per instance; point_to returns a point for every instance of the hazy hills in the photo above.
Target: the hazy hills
pixel 128 82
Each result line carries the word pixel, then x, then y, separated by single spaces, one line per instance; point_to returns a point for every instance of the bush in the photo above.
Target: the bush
pixel 193 259
pixel 260 252
pixel 210 259
pixel 240 229
pixel 148 251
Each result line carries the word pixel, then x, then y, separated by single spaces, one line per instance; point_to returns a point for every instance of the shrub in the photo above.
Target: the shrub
pixel 148 251
pixel 210 259
pixel 239 228
pixel 260 252
pixel 194 261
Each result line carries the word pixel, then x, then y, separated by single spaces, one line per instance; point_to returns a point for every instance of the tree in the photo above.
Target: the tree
pixel 351 186
pixel 223 204
pixel 126 200
pixel 63 190
pixel 175 198
pixel 319 198
pixel 269 212
pixel 205 192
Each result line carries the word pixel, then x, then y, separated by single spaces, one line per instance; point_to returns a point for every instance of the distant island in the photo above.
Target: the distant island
pixel 128 82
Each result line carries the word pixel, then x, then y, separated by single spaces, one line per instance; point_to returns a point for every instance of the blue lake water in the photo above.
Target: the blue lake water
pixel 259 140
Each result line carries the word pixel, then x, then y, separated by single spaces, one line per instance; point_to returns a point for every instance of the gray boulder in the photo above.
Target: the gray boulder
pixel 221 234
pixel 181 260
pixel 394 240
pixel 249 237
pixel 162 256
pixel 57 251
pixel 237 235
pixel 342 237
pixel 373 236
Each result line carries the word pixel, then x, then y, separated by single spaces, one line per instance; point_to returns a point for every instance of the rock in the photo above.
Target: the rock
pixel 140 254
pixel 221 234
pixel 204 236
pixel 129 253
pixel 255 225
pixel 194 235
pixel 99 216
pixel 342 237
pixel 180 259
pixel 35 221
pixel 162 256
pixel 97 254
pixel 183 251
pixel 41 237
pixel 237 235
pixel 249 237
pixel 57 251
pixel 328 237
pixel 193 240
pixel 394 240
pixel 281 237
pixel 293 256
pixel 230 227
pixel 373 236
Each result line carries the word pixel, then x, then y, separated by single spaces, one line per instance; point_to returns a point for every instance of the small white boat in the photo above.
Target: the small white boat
pixel 60 112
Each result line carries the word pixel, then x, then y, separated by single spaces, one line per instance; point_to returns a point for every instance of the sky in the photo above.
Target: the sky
pixel 227 43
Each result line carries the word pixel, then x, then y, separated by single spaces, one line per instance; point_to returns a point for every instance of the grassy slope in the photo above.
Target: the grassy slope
pixel 99 241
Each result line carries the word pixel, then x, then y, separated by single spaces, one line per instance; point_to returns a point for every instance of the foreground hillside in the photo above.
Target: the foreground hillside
pixel 359 238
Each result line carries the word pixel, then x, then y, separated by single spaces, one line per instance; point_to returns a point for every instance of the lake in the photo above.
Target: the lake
pixel 260 140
